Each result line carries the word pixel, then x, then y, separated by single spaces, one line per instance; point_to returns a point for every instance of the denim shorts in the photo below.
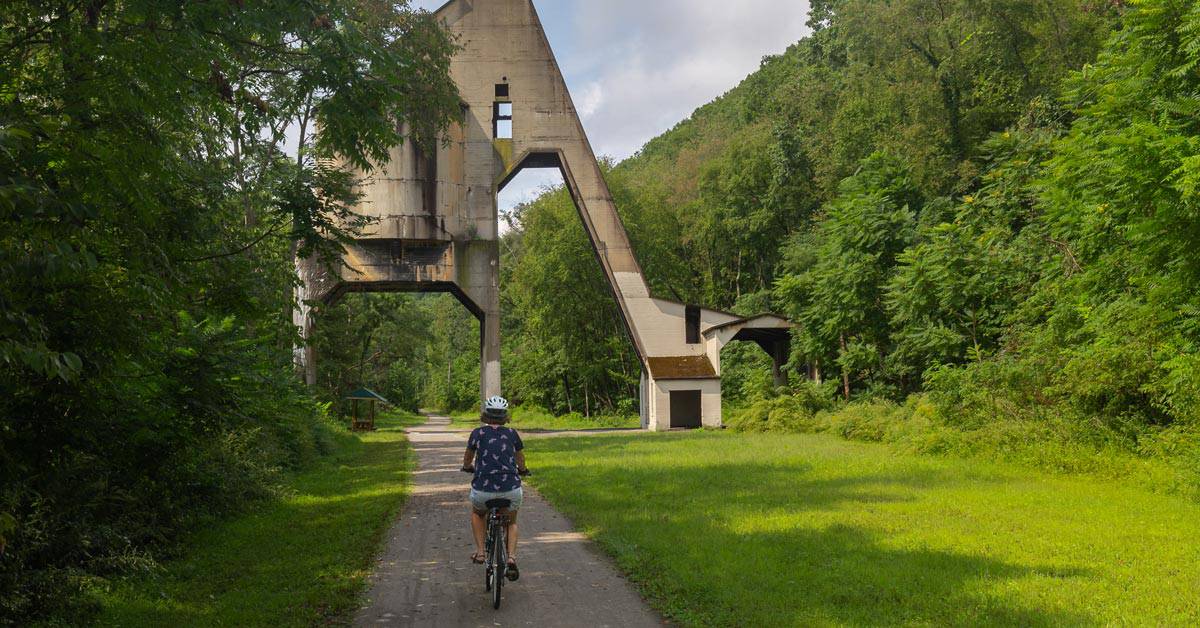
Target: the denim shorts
pixel 479 499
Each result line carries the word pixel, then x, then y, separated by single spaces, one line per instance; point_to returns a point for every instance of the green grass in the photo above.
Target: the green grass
pixel 298 561
pixel 537 419
pixel 803 530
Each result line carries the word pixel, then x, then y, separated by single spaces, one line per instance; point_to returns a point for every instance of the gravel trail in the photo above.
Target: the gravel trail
pixel 425 576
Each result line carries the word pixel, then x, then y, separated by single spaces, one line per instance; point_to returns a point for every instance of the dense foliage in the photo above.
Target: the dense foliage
pixel 416 351
pixel 804 188
pixel 148 218
pixel 989 205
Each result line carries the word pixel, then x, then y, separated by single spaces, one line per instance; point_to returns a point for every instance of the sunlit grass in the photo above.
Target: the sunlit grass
pixel 299 561
pixel 769 530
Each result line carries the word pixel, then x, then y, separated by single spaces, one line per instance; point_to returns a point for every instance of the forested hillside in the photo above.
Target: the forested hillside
pixel 982 215
pixel 738 197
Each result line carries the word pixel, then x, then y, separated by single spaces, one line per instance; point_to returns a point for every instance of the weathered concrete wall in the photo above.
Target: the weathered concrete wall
pixel 659 416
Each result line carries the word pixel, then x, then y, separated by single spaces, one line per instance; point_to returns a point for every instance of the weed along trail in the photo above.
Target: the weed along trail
pixel 425 576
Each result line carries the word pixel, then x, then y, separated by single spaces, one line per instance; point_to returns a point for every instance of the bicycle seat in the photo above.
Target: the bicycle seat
pixel 499 503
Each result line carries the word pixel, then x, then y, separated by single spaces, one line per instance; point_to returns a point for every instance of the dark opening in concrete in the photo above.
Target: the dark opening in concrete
pixel 692 324
pixel 685 409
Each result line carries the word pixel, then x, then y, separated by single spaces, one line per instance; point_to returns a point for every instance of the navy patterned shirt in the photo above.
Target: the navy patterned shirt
pixel 495 450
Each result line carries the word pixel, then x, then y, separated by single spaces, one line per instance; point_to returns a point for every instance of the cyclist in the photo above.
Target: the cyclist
pixel 495 454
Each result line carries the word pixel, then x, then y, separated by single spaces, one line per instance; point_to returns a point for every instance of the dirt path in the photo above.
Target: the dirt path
pixel 425 576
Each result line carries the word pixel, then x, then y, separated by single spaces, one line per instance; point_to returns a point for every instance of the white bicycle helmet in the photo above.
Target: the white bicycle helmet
pixel 495 410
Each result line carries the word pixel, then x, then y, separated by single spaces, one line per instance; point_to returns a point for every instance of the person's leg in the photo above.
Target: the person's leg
pixel 479 529
pixel 511 535
pixel 518 499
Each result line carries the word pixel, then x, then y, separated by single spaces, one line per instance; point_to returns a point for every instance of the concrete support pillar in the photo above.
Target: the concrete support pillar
pixel 644 399
pixel 482 266
pixel 489 355
pixel 304 355
pixel 779 357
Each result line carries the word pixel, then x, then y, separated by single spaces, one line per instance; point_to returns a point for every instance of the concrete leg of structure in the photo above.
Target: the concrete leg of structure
pixel 489 355
pixel 779 357
pixel 644 400
pixel 304 356
pixel 480 274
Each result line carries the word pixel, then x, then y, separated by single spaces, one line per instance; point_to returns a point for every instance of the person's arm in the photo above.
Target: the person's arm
pixel 472 447
pixel 519 445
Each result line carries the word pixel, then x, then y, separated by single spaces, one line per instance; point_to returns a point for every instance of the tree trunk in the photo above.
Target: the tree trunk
pixel 449 376
pixel 737 281
pixel 362 358
pixel 845 372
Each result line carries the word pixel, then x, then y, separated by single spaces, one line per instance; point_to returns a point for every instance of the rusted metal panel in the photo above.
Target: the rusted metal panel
pixel 681 367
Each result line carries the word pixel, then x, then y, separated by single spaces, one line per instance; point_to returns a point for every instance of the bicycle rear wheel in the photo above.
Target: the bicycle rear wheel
pixel 499 562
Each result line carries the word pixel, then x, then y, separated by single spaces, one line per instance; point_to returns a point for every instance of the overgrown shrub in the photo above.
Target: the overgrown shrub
pixel 866 421
pixel 1163 459
pixel 211 428
pixel 793 412
pixel 573 417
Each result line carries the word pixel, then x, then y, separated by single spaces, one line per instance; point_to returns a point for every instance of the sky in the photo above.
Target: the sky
pixel 636 68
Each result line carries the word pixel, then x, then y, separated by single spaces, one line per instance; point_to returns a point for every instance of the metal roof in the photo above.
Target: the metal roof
pixel 750 322
pixel 368 395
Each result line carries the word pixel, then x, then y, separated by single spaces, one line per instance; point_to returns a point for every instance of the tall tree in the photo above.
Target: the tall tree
pixel 148 205
pixel 838 296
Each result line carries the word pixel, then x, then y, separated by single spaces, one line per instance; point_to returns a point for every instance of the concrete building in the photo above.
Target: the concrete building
pixel 438 225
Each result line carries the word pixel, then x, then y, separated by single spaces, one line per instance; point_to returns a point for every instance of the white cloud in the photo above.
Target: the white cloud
pixel 658 61
pixel 590 100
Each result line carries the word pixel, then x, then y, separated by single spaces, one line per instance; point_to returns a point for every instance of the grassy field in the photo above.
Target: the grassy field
pixel 299 561
pixel 536 419
pixel 769 530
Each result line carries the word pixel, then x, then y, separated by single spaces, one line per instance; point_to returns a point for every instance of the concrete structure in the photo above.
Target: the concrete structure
pixel 438 227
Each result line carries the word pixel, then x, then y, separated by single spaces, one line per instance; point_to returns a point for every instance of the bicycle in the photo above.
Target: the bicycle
pixel 495 550
pixel 495 545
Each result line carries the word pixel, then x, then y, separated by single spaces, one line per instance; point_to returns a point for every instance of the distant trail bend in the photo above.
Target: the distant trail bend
pixel 425 576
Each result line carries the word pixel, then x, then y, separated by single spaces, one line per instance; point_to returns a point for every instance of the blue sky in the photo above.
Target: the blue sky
pixel 637 67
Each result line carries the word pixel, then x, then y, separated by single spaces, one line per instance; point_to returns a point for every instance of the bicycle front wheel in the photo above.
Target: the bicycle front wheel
pixel 499 562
